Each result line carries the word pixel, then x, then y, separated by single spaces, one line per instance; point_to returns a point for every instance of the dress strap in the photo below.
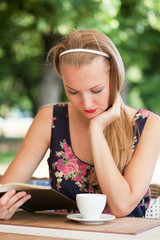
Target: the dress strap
pixel 60 125
pixel 139 122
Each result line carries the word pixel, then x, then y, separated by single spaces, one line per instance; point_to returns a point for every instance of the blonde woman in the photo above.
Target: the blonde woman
pixel 97 143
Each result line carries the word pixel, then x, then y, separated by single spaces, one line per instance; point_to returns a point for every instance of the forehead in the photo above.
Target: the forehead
pixel 95 72
pixel 80 60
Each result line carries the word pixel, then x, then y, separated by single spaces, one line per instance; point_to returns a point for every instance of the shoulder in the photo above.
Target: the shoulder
pixel 46 112
pixel 135 114
pixel 56 106
pixel 150 120
pixel 152 129
pixel 142 114
pixel 153 122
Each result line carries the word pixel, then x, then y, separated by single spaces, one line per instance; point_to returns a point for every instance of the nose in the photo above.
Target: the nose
pixel 86 101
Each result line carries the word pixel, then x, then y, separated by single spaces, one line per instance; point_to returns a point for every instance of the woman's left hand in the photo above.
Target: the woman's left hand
pixel 109 115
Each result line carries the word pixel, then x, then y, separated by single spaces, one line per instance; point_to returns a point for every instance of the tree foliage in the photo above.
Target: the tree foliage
pixel 28 29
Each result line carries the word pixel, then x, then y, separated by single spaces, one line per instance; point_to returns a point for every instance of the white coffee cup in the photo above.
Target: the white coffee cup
pixel 91 205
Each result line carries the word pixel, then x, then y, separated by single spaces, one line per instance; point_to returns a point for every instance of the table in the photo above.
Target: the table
pixel 47 225
pixel 11 236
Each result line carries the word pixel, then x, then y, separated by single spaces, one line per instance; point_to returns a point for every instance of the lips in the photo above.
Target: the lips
pixel 90 111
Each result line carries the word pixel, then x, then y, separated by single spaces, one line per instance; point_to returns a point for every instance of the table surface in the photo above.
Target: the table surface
pixel 23 223
pixel 78 235
pixel 11 236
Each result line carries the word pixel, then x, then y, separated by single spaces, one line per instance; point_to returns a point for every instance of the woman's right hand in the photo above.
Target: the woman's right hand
pixel 10 202
pixel 107 116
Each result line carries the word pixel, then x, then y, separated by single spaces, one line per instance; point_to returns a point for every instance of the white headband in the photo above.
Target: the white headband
pixel 84 50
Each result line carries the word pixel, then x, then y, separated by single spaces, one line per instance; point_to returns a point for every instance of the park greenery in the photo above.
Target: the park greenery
pixel 28 29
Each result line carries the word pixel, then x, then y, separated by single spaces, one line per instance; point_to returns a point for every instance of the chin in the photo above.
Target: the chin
pixel 90 116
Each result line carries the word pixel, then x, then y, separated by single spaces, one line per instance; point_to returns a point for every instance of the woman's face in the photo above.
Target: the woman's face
pixel 87 87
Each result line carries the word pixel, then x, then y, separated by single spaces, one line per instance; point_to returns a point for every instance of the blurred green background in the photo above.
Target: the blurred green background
pixel 28 29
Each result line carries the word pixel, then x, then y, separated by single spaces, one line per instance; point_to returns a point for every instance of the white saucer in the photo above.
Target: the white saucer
pixel 103 218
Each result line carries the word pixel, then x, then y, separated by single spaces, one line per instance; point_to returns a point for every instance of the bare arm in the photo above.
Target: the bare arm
pixel 33 148
pixel 125 192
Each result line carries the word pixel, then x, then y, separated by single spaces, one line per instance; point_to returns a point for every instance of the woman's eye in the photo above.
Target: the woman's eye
pixel 97 91
pixel 72 93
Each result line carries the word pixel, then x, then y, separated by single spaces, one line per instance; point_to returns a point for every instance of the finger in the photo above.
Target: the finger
pixel 4 211
pixel 15 198
pixel 18 203
pixel 9 210
pixel 5 198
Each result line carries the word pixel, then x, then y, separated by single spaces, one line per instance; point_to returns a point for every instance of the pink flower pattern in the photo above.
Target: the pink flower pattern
pixel 143 113
pixel 53 119
pixel 68 166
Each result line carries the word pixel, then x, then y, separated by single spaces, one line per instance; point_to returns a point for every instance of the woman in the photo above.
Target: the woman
pixel 98 144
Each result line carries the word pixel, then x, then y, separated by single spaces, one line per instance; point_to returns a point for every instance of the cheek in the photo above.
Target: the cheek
pixel 104 102
pixel 73 99
pixel 104 98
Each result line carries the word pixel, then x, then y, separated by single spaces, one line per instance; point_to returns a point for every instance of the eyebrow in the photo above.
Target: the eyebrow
pixel 90 88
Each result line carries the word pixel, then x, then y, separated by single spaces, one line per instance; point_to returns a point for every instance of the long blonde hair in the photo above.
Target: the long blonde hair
pixel 119 134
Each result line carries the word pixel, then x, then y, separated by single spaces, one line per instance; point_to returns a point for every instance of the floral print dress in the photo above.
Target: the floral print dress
pixel 68 174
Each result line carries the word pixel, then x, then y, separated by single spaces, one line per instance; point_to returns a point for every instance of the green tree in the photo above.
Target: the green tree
pixel 140 46
pixel 28 29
